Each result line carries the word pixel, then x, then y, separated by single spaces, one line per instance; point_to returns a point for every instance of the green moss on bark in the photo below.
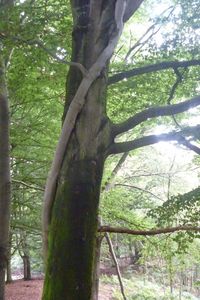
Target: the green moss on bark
pixel 72 234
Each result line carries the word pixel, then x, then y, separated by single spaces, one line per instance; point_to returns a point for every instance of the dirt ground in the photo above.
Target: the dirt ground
pixel 31 290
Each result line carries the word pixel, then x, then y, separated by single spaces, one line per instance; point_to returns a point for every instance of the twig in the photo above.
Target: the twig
pixel 28 185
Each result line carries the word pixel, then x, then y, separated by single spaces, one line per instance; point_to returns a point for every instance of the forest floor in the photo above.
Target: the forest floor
pixel 23 290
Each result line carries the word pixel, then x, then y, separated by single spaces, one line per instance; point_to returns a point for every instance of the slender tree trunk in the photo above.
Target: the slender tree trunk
pixel 4 176
pixel 8 263
pixel 112 252
pixel 137 251
pixel 8 271
pixel 25 255
pixel 27 267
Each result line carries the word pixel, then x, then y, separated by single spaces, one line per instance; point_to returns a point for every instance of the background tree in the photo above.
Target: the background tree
pixel 4 159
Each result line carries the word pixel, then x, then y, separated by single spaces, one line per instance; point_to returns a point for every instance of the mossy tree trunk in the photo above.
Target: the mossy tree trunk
pixel 87 138
pixel 70 215
pixel 74 220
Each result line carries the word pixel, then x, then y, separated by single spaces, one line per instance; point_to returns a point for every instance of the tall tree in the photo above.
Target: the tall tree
pixel 4 175
pixel 87 138
pixel 4 166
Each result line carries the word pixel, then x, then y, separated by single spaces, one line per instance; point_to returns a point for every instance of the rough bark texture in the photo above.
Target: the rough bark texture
pixel 89 17
pixel 72 237
pixel 96 269
pixel 4 176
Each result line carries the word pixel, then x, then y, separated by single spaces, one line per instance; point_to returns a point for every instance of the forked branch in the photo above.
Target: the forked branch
pixel 177 136
pixel 155 112
pixel 153 68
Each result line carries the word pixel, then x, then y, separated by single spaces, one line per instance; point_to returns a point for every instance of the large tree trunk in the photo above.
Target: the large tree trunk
pixel 74 220
pixel 72 235
pixel 74 209
pixel 4 176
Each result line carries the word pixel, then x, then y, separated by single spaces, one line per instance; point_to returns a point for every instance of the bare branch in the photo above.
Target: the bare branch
pixel 148 232
pixel 138 188
pixel 146 37
pixel 108 184
pixel 153 68
pixel 153 139
pixel 28 185
pixel 140 42
pixel 179 78
pixel 155 112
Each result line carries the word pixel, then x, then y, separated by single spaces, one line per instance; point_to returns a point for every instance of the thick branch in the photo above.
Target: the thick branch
pixel 153 68
pixel 153 139
pixel 155 112
pixel 148 232
pixel 131 8
pixel 190 146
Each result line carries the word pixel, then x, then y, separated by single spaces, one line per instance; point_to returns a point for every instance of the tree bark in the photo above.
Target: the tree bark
pixel 96 269
pixel 74 215
pixel 4 176
pixel 27 267
pixel 8 263
pixel 72 233
pixel 8 271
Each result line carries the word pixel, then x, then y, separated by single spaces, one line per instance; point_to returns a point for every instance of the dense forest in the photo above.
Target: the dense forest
pixel 99 149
